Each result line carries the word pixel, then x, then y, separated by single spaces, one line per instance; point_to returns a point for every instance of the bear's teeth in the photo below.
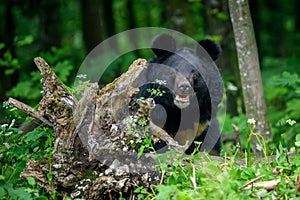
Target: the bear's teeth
pixel 182 98
pixel 181 101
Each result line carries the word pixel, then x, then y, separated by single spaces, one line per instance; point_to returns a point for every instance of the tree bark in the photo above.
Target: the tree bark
pixel 107 14
pixel 249 68
pixel 49 24
pixel 91 23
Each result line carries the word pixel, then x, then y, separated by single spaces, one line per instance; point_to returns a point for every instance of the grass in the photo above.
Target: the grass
pixel 199 176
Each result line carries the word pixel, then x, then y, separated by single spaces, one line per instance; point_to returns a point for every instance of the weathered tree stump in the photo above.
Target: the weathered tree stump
pixel 95 153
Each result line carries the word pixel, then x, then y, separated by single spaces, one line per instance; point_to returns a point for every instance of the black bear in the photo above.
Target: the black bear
pixel 187 88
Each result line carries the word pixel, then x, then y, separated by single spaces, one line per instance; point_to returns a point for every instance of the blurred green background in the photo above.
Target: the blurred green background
pixel 63 32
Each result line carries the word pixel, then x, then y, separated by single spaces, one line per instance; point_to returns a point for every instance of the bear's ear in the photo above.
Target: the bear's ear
pixel 163 45
pixel 212 48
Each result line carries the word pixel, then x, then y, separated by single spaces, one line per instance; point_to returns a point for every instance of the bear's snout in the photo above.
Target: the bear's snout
pixel 185 89
pixel 182 91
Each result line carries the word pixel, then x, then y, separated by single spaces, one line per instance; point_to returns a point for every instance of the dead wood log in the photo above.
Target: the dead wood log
pixel 95 153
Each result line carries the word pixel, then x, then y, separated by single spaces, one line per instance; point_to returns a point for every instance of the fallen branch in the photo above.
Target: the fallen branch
pixel 160 133
pixel 268 185
pixel 28 110
pixel 253 180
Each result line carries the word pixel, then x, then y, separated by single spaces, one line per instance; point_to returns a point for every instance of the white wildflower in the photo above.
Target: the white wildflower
pixel 4 125
pixel 82 76
pixel 258 147
pixel 161 82
pixel 251 121
pixel 291 122
pixel 232 87
pixel 12 123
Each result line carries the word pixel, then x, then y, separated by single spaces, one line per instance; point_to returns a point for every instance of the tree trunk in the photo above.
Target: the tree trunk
pixel 49 24
pixel 107 14
pixel 91 24
pixel 249 68
pixel 108 23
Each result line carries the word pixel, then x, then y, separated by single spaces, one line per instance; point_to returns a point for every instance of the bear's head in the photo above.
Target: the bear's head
pixel 189 68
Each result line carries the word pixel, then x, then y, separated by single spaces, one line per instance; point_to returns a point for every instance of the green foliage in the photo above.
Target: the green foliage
pixel 139 129
pixel 12 113
pixel 286 79
pixel 155 92
pixel 200 177
pixel 227 130
pixel 190 179
pixel 282 93
pixel 260 146
pixel 7 61
pixel 146 145
pixel 139 126
pixel 28 88
pixel 80 86
pixel 15 152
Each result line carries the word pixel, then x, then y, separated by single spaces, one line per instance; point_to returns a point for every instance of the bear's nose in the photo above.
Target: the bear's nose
pixel 185 88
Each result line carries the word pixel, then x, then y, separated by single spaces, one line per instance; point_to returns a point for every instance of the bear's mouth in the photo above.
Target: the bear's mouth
pixel 182 101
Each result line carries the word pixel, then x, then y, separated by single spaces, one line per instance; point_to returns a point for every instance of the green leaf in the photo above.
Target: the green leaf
pixel 31 181
pixel 33 135
pixel 296 160
pixel 10 190
pixel 183 196
pixel 22 194
pixel 293 107
pixel 140 196
pixel 2 45
pixel 54 194
pixel 2 177
pixel 26 89
pixel 166 191
pixel 2 193
pixel 286 78
pixel 172 179
pixel 50 177
pixel 140 151
pixel 28 39
pixel 297 142
pixel 13 172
